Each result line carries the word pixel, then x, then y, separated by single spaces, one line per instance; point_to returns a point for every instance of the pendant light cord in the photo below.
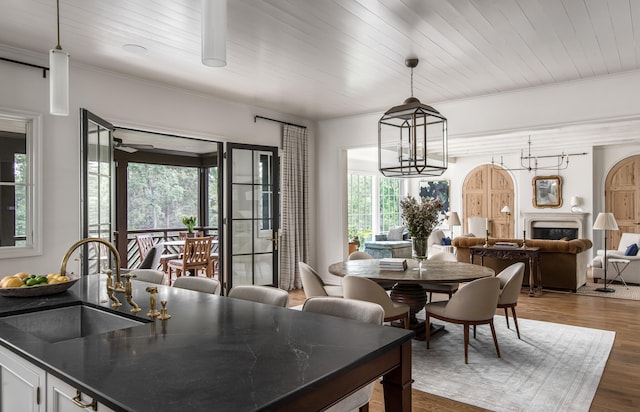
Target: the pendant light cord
pixel 58 47
pixel 412 82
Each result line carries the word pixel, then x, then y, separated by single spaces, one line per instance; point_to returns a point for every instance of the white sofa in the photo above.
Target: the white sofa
pixel 435 243
pixel 631 274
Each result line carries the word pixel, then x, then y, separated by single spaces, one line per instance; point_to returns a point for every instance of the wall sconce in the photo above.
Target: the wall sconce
pixel 576 201
pixel 506 209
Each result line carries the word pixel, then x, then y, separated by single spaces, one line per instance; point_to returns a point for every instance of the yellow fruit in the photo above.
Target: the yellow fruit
pixel 57 279
pixel 22 275
pixel 51 275
pixel 5 280
pixel 13 282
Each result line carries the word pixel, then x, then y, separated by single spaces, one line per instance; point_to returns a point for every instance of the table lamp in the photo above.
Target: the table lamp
pixel 605 221
pixel 453 220
pixel 506 209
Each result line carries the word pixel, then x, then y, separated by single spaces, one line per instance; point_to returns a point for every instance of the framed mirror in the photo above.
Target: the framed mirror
pixel 547 191
pixel 20 183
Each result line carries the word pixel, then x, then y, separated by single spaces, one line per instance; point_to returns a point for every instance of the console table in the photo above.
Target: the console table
pixel 532 254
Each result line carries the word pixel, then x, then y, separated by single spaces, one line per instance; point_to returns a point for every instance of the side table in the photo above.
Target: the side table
pixel 619 265
pixel 532 254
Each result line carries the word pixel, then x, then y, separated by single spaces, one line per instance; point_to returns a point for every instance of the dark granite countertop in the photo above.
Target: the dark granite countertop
pixel 215 353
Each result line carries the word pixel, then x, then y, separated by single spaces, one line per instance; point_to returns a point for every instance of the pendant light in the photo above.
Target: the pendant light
pixel 214 33
pixel 59 76
pixel 412 138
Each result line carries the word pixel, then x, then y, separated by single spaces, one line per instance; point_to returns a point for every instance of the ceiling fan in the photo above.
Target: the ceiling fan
pixel 130 147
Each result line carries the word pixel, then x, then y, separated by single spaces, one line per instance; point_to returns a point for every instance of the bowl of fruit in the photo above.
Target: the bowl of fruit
pixel 27 285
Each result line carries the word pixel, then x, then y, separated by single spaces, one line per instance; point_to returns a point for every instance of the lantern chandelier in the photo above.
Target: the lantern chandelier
pixel 533 163
pixel 412 138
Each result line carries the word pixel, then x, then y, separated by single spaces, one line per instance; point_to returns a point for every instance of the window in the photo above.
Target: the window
pixel 368 193
pixel 20 177
pixel 159 195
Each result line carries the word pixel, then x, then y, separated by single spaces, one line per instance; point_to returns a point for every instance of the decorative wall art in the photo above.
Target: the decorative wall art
pixel 547 191
pixel 436 189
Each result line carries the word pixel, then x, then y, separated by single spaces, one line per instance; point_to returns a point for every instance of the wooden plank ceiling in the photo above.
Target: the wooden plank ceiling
pixel 321 59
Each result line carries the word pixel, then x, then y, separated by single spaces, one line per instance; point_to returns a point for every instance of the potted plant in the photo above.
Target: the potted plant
pixel 189 222
pixel 420 218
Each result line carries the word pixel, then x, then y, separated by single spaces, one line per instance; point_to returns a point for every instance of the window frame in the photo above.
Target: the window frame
pixel 33 133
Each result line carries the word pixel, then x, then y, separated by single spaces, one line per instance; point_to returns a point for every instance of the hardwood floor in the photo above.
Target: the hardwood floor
pixel 619 388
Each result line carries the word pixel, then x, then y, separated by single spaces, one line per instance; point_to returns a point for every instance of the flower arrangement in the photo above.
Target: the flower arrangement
pixel 421 217
pixel 189 222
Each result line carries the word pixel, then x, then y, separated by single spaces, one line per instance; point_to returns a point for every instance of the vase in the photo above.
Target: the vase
pixel 420 248
pixel 191 234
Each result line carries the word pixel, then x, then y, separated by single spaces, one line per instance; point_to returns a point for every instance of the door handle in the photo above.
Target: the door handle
pixel 274 239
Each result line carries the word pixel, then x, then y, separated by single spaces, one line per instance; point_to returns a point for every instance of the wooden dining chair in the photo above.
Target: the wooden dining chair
pixel 196 256
pixel 145 243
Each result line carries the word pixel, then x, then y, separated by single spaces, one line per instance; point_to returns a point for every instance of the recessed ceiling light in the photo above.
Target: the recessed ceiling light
pixel 135 48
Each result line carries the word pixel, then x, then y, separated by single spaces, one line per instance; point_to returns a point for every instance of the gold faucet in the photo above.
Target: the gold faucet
pixel 110 289
pixel 118 287
pixel 129 293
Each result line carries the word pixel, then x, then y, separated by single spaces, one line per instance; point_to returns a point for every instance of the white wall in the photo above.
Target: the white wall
pixel 124 101
pixel 536 108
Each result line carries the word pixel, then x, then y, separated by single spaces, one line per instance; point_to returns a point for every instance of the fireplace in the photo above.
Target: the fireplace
pixel 554 226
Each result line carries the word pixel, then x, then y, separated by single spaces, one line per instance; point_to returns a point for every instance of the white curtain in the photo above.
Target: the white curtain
pixel 294 240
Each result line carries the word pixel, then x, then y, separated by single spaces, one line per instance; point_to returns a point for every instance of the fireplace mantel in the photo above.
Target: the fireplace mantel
pixel 557 220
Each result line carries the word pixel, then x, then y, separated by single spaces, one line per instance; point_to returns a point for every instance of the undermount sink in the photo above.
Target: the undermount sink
pixel 70 322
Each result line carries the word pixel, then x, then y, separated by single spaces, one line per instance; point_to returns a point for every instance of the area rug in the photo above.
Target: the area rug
pixel 553 367
pixel 621 292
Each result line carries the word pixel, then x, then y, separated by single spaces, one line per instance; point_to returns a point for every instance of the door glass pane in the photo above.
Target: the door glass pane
pixel 263 242
pixel 212 201
pixel 263 269
pixel 241 240
pixel 242 167
pixel 242 201
pixel 241 270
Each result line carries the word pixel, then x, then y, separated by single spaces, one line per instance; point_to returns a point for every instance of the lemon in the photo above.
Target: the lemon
pixel 13 282
pixel 22 275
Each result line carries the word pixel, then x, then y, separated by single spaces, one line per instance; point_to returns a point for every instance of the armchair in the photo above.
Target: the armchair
pixel 631 273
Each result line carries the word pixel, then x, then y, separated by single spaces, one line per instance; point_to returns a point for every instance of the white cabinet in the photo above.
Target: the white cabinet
pixel 21 384
pixel 26 388
pixel 60 398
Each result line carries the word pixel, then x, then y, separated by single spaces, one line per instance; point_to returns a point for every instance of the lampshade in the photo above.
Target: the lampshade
pixel 58 75
pixel 59 82
pixel 214 33
pixel 506 209
pixel 453 219
pixel 605 221
pixel 412 138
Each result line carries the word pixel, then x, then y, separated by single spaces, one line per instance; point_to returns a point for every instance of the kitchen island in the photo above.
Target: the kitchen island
pixel 215 353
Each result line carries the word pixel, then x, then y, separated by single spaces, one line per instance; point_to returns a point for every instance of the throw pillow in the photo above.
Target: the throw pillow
pixel 632 250
pixel 395 233
pixel 446 241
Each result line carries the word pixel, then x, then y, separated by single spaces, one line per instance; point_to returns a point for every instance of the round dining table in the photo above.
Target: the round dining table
pixel 407 284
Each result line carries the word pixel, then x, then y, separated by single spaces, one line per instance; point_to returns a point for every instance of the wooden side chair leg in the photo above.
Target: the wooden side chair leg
pixel 406 321
pixel 506 316
pixel 495 338
pixel 428 329
pixel 515 320
pixel 364 408
pixel 466 343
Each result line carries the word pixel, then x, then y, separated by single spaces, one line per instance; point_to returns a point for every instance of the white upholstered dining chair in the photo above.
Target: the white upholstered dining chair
pixel 313 285
pixel 261 294
pixel 350 309
pixel 447 288
pixel 474 304
pixel 359 288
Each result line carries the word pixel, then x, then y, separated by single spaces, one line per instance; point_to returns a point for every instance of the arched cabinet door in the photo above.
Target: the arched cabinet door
pixel 486 190
pixel 622 197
